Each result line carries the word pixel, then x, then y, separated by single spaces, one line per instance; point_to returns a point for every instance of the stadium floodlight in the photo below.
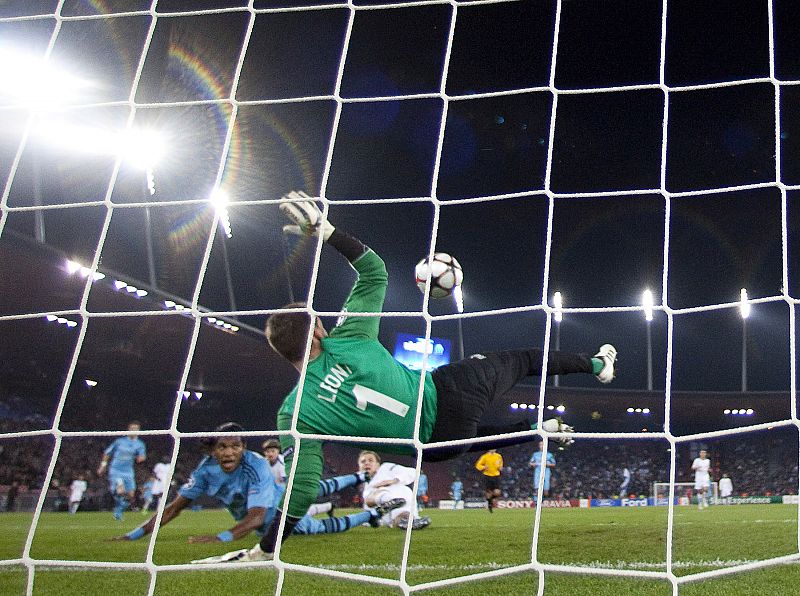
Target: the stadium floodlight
pixel 647 303
pixel 90 382
pixel 523 406
pixel 638 410
pixel 645 410
pixel 726 411
pixel 198 395
pixel 558 304
pixel 458 296
pixel 630 410
pixel 561 408
pixel 34 80
pixel 169 303
pixel 140 148
pixel 220 200
pixel 514 406
pixel 744 304
pixel 51 318
pixel 71 323
pixel 551 407
pixel 141 293
pixel 72 266
pixel 119 284
pixel 749 411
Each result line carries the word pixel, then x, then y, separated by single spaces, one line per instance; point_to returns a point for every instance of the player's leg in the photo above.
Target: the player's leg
pixel 467 388
pixel 328 486
pixel 73 507
pixel 116 485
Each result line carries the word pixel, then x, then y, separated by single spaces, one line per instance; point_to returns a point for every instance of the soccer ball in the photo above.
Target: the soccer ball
pixel 444 271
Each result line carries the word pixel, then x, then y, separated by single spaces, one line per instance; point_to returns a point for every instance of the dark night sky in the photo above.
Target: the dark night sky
pixel 605 249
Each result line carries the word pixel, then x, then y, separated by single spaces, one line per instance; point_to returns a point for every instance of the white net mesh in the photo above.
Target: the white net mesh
pixel 143 106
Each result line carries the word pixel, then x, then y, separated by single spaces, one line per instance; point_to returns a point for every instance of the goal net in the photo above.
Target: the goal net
pixel 146 145
pixel 683 494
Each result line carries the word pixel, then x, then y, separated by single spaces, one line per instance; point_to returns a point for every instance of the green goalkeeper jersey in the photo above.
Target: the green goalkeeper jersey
pixel 355 387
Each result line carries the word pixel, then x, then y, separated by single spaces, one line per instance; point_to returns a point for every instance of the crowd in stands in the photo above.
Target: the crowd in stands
pixel 758 464
pixel 761 463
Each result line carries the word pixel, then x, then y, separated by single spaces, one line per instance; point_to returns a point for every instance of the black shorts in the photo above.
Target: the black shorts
pixel 466 389
pixel 491 482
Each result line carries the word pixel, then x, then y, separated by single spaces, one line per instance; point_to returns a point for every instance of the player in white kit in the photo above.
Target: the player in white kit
pixel 388 481
pixel 76 490
pixel 161 485
pixel 701 466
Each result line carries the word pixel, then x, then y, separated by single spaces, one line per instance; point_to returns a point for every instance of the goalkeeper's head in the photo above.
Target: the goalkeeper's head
pixel 287 334
pixel 227 449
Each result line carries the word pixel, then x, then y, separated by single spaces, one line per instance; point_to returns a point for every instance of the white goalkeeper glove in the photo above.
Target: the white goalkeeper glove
pixel 243 555
pixel 307 217
pixel 556 425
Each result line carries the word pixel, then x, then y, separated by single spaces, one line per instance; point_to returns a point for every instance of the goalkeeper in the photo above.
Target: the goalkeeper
pixel 353 386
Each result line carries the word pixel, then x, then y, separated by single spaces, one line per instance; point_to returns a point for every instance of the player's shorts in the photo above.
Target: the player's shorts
pixel 546 480
pixel 128 481
pixel 396 491
pixel 457 497
pixel 491 482
pixel 701 482
pixel 464 390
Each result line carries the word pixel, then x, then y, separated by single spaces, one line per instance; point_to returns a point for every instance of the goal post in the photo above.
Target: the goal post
pixel 685 493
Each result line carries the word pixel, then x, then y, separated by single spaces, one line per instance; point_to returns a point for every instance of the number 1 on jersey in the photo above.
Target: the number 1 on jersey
pixel 365 395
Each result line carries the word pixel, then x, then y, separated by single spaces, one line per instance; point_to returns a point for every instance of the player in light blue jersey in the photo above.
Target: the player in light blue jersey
pixel 422 490
pixel 536 463
pixel 243 481
pixel 457 491
pixel 123 453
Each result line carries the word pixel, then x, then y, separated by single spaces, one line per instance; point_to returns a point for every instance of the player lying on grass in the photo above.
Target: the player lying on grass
pixel 387 482
pixel 242 480
pixel 354 387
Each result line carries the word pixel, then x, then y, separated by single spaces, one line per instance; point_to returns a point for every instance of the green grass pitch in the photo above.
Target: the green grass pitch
pixel 457 543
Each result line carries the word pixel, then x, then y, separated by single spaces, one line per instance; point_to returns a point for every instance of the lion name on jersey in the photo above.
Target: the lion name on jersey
pixel 333 380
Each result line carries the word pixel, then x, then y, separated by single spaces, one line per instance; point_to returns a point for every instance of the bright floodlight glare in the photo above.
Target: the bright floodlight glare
pixel 726 411
pixel 33 80
pixel 647 302
pixel 560 408
pixel 514 406
pixel 90 383
pixel 645 410
pixel 140 148
pixel 558 304
pixel 744 304
pixel 72 267
pixel 523 406
pixel 630 410
pixel 50 318
pixel 220 199
pixel 458 296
